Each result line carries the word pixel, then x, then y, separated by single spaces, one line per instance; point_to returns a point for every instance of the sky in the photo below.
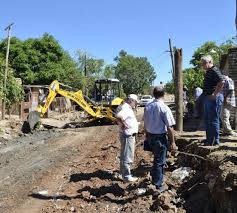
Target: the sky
pixel 140 27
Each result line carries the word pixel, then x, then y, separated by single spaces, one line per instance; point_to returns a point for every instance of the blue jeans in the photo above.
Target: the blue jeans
pixel 159 145
pixel 212 110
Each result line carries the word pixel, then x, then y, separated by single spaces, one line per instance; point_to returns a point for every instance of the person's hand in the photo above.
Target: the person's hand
pixel 225 101
pixel 122 124
pixel 173 148
pixel 212 97
pixel 125 126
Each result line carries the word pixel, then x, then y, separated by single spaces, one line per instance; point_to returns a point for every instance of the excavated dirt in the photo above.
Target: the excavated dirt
pixel 76 170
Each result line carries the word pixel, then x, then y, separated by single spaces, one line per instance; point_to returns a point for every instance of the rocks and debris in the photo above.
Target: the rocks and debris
pixel 181 173
pixel 140 191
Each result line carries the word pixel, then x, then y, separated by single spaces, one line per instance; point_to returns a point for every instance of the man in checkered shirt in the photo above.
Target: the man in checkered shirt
pixel 228 106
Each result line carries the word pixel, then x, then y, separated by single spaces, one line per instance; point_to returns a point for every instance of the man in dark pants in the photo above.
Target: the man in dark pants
pixel 213 99
pixel 158 120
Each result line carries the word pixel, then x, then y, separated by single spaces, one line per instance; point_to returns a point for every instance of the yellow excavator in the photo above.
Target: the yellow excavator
pixel 103 105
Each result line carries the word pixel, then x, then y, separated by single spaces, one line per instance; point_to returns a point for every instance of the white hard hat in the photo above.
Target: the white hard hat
pixel 134 97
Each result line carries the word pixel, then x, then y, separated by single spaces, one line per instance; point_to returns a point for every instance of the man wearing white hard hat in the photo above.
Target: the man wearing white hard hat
pixel 128 124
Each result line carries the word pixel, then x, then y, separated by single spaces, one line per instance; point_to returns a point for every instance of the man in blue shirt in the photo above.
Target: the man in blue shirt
pixel 158 121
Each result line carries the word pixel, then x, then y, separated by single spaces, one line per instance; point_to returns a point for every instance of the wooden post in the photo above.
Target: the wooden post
pixel 236 14
pixel 178 89
pixel 235 118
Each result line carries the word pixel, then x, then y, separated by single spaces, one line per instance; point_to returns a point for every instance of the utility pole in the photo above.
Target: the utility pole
pixel 85 64
pixel 172 57
pixel 8 29
pixel 178 57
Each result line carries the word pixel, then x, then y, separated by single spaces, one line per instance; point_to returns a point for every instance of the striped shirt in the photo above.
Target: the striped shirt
pixel 212 77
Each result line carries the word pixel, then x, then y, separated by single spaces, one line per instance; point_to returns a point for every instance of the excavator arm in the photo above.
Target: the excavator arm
pixel 95 112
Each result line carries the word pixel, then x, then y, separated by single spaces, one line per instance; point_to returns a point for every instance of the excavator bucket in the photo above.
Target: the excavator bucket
pixel 33 119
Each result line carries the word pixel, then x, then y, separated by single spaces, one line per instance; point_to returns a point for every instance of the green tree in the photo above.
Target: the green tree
pixel 208 48
pixel 14 91
pixel 41 60
pixel 109 71
pixel 192 79
pixel 89 64
pixel 91 67
pixel 211 48
pixel 169 87
pixel 135 73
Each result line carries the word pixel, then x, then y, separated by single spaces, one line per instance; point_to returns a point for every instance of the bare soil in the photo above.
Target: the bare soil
pixel 77 170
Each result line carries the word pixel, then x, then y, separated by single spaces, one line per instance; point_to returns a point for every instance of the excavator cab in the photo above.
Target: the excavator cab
pixel 107 92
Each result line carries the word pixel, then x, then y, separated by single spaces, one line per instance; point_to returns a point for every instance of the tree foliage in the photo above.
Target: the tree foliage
pixel 41 60
pixel 14 91
pixel 169 87
pixel 192 79
pixel 91 66
pixel 109 71
pixel 135 73
pixel 211 48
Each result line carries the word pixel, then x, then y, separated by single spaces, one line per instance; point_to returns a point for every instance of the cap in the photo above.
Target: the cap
pixel 134 97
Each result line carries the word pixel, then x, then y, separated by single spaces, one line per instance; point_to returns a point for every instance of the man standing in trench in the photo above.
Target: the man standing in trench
pixel 128 129
pixel 158 120
pixel 213 99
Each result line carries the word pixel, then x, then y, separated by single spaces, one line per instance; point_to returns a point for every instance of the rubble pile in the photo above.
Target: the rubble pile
pixel 10 128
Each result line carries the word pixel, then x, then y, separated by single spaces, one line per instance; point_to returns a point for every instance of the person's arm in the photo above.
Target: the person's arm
pixel 169 122
pixel 218 77
pixel 171 133
pixel 121 122
pixel 218 88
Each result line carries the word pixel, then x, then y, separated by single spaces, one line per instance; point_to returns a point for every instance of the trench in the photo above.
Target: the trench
pixel 211 186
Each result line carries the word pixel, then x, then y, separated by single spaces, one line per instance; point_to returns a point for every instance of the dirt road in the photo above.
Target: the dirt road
pixel 28 164
pixel 76 170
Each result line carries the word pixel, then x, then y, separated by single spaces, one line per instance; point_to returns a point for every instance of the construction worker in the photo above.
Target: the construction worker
pixel 128 129
pixel 158 121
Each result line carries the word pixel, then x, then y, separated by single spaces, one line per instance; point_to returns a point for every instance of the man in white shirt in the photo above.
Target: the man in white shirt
pixel 229 104
pixel 128 129
pixel 158 121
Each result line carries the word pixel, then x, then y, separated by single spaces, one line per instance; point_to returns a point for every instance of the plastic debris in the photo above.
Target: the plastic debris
pixel 43 192
pixel 181 173
pixel 140 191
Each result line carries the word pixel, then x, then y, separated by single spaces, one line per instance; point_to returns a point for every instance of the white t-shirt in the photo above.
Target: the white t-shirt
pixel 127 114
